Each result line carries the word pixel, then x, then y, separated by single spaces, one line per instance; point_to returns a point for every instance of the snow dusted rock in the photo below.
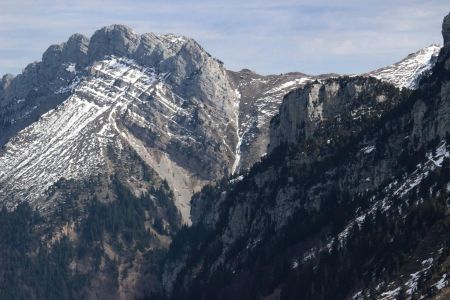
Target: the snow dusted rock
pixel 260 98
pixel 309 114
pixel 27 96
pixel 407 73
pixel 163 97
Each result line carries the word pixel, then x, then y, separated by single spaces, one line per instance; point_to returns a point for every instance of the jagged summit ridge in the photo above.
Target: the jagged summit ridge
pixel 121 41
pixel 72 51
pixel 116 40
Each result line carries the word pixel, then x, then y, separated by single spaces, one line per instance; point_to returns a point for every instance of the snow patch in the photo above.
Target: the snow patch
pixel 390 294
pixel 237 179
pixel 237 155
pixel 294 264
pixel 71 68
pixel 442 283
pixel 368 149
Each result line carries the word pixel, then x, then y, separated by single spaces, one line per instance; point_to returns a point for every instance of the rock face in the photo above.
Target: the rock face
pixel 260 98
pixel 329 108
pixel 72 51
pixel 446 30
pixel 115 40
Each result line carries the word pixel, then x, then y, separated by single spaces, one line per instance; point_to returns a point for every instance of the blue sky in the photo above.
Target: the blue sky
pixel 268 36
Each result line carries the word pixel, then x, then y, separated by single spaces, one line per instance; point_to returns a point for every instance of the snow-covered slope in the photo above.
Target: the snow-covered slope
pixel 69 141
pixel 178 120
pixel 406 73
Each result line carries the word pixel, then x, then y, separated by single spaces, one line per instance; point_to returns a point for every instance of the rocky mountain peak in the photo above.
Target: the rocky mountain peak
pixel 52 55
pixel 118 40
pixel 72 51
pixel 446 30
pixel 76 48
pixel 148 49
pixel 164 96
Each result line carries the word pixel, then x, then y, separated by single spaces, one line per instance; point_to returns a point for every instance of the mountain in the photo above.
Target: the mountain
pixel 153 94
pixel 104 142
pixel 351 201
pixel 87 92
pixel 118 117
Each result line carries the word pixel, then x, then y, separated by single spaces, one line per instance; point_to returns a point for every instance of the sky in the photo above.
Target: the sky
pixel 267 36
